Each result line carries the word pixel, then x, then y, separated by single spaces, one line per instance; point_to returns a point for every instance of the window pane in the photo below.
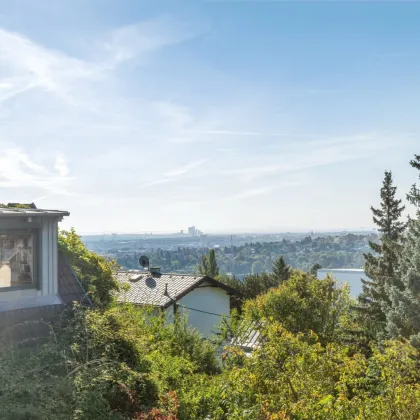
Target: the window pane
pixel 16 259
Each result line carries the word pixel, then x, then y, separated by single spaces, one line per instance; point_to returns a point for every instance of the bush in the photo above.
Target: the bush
pixel 94 272
pixel 121 363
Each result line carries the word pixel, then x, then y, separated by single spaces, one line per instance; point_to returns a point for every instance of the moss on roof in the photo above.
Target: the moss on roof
pixel 18 206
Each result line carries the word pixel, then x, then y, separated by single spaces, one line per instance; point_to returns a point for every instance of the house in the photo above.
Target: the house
pixel 202 299
pixel 352 276
pixel 35 279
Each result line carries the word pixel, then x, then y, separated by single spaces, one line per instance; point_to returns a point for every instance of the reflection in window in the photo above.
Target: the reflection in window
pixel 16 259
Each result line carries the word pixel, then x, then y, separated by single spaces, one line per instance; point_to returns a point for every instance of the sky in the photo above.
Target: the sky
pixel 229 115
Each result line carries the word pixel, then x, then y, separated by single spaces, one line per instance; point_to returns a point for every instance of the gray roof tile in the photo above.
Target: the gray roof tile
pixel 149 289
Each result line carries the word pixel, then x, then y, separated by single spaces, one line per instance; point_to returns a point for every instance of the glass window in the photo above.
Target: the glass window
pixel 16 259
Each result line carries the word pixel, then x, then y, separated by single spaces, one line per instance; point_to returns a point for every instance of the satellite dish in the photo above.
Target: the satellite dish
pixel 144 261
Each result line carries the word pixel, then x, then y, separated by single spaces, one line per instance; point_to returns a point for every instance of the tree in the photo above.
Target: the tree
pixel 381 267
pixel 208 266
pixel 213 268
pixel 203 268
pixel 403 318
pixel 414 195
pixel 315 268
pixel 303 304
pixel 281 271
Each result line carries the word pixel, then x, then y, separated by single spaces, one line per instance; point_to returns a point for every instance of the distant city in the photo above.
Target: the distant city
pixel 237 254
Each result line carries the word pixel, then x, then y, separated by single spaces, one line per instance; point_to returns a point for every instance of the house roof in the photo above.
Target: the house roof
pixel 69 287
pixel 17 211
pixel 159 289
pixel 249 338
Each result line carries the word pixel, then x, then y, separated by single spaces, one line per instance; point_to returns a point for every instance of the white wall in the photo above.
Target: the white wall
pixel 47 291
pixel 204 298
pixel 342 275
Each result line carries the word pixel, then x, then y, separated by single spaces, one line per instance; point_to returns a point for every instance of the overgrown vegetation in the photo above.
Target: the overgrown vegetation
pixel 94 271
pixel 121 363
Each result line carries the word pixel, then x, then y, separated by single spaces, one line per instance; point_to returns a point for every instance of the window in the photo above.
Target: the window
pixel 17 259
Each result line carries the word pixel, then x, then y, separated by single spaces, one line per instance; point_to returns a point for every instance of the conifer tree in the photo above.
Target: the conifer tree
pixel 203 267
pixel 382 265
pixel 315 268
pixel 414 195
pixel 208 266
pixel 213 268
pixel 403 314
pixel 281 270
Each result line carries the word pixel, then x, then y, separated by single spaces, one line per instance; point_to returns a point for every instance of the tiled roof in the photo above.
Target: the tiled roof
pixel 147 288
pixel 69 287
pixel 14 211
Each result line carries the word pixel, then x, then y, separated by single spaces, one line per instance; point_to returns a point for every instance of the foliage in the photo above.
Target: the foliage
pixel 382 266
pixel 315 268
pixel 304 304
pixel 291 376
pixel 414 195
pixel 281 271
pixel 208 266
pixel 328 251
pixel 94 272
pixel 252 285
pixel 119 364
pixel 403 312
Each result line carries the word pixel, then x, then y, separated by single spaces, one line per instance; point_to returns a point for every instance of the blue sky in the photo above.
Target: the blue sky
pixel 230 115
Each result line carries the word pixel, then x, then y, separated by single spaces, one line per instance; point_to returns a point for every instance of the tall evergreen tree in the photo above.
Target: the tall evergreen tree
pixel 281 270
pixel 414 195
pixel 203 268
pixel 381 266
pixel 213 268
pixel 403 314
pixel 208 266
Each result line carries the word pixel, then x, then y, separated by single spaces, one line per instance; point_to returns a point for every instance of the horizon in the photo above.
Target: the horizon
pixel 230 115
pixel 234 233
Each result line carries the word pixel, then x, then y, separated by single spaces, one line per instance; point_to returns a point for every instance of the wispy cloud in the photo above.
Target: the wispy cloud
pixel 18 170
pixel 313 154
pixel 27 65
pixel 129 41
pixel 176 173
pixel 185 169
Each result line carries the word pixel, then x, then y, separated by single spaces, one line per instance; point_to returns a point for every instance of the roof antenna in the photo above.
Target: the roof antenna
pixel 144 261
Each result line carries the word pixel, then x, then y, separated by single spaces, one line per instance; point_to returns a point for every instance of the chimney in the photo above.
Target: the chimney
pixel 154 270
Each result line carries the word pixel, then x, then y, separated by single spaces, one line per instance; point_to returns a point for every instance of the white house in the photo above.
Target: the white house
pixel 204 300
pixel 33 274
pixel 352 276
